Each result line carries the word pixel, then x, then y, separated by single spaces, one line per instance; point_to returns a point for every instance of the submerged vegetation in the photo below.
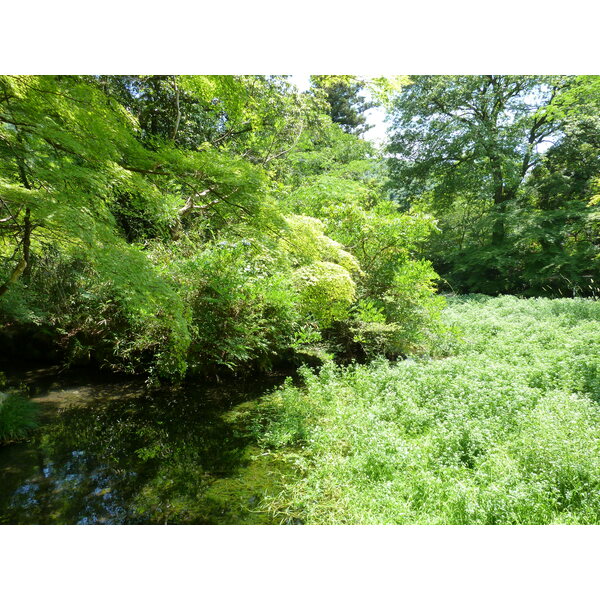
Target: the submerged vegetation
pixel 197 227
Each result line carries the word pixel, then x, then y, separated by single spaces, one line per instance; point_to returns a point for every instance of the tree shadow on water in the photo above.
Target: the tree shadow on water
pixel 168 456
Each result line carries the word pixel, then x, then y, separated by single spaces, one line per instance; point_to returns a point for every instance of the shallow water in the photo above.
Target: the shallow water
pixel 109 451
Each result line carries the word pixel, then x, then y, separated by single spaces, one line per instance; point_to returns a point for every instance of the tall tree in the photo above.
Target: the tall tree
pixel 473 136
pixel 563 220
pixel 347 105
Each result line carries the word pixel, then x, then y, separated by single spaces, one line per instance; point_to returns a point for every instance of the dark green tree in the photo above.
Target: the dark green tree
pixel 347 106
pixel 560 226
pixel 476 135
pixel 462 147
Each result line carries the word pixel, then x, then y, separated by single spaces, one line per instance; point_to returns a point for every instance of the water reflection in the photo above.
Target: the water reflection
pixel 113 452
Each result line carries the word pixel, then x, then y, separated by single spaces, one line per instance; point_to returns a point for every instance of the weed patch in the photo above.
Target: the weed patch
pixel 506 431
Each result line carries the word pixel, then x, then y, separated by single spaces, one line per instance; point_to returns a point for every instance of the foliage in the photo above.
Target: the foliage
pixel 350 204
pixel 328 150
pixel 459 134
pixel 166 225
pixel 326 291
pixel 17 416
pixel 507 431
pixel 83 187
pixel 160 224
pixel 240 305
pixel 474 151
pixel 346 105
pixel 71 153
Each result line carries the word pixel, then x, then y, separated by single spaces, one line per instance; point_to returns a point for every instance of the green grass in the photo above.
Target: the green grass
pixel 505 431
pixel 17 416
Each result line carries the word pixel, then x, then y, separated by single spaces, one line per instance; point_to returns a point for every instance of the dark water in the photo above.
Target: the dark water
pixel 112 452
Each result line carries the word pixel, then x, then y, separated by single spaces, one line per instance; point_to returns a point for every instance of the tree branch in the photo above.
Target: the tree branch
pixel 269 159
pixel 189 204
pixel 17 272
pixel 176 128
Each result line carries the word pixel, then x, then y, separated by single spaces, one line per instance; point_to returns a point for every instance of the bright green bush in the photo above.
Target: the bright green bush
pixel 326 291
pixel 507 431
pixel 241 307
pixel 306 243
pixel 351 209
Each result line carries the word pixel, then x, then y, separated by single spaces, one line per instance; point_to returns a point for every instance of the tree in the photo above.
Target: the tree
pixel 346 105
pixel 470 135
pixel 67 151
pixel 339 180
pixel 463 148
pixel 160 223
pixel 561 222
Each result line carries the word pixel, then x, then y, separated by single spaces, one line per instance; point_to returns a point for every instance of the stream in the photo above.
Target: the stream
pixel 111 451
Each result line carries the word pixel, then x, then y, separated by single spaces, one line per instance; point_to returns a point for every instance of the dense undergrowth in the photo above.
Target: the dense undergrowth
pixel 504 431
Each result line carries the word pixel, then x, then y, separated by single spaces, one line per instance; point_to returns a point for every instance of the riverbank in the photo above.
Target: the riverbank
pixel 505 430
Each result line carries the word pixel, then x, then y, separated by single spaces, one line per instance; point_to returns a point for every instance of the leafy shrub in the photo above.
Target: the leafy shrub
pixel 17 416
pixel 307 243
pixel 241 307
pixel 384 242
pixel 326 291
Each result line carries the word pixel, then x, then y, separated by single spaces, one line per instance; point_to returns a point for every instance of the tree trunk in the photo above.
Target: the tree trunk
pixel 17 272
pixel 23 267
pixel 498 230
pixel 27 245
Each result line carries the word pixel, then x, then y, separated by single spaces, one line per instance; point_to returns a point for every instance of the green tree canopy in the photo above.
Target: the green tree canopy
pixel 474 136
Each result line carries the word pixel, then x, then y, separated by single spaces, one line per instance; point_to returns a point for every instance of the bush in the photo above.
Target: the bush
pixel 241 309
pixel 326 291
pixel 17 416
